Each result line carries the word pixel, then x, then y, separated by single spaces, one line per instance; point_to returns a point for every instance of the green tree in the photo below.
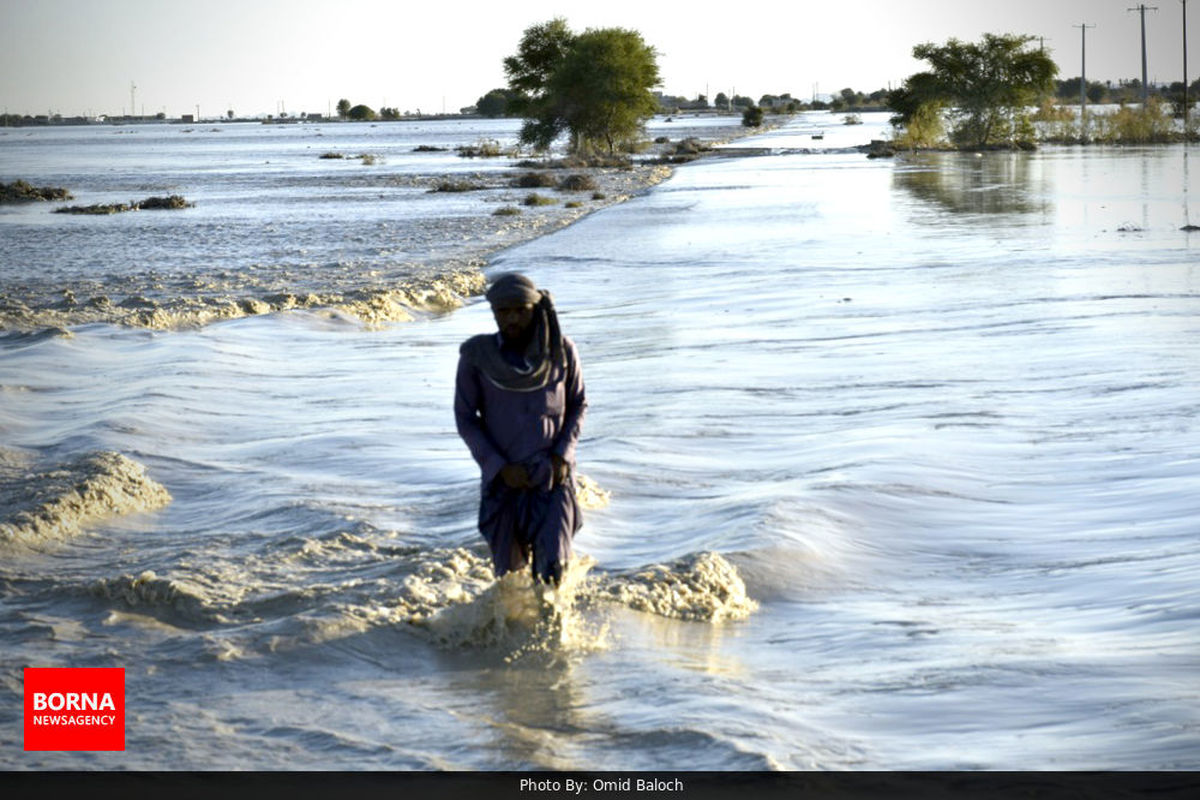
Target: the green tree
pixel 361 113
pixel 539 53
pixel 604 85
pixel 343 108
pixel 721 101
pixel 752 117
pixel 985 86
pixel 595 85
pixel 494 104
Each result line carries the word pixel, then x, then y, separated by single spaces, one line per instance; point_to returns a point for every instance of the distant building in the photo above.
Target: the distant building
pixel 187 118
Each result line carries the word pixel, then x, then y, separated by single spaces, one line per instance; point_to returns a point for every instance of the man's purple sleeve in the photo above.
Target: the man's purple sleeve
pixel 467 393
pixel 576 407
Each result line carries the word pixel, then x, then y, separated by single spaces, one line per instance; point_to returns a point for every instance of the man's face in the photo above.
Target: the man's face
pixel 514 320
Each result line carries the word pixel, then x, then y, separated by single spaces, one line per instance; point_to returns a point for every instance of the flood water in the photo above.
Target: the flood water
pixel 939 414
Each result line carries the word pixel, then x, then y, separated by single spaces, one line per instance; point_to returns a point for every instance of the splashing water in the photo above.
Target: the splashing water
pixel 52 504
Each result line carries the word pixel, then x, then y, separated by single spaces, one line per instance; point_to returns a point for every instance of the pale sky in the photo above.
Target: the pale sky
pixel 257 56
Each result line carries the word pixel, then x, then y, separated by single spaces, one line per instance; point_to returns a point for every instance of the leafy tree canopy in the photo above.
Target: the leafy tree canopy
pixel 595 85
pixel 541 50
pixel 984 85
pixel 496 103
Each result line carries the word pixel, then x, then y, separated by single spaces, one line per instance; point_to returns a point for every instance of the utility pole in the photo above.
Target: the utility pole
pixel 1142 9
pixel 1083 29
pixel 132 93
pixel 1185 75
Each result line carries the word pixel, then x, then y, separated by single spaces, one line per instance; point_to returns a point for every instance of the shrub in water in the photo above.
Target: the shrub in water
pixel 577 183
pixel 926 128
pixel 1134 126
pixel 174 201
pixel 536 199
pixel 150 203
pixel 534 180
pixel 98 208
pixel 456 186
pixel 20 191
pixel 484 148
pixel 752 117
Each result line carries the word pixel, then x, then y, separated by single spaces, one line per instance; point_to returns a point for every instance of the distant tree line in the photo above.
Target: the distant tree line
pixel 364 113
pixel 497 103
pixel 1125 91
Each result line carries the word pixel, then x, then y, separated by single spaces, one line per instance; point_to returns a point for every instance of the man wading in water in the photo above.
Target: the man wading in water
pixel 519 404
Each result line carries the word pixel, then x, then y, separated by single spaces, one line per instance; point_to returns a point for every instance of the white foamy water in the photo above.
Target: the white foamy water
pixel 902 472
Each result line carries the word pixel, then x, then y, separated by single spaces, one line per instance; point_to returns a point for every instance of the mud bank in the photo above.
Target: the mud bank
pixel 446 256
pixel 438 258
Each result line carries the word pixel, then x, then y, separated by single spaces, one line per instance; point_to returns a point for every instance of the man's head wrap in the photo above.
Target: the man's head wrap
pixel 545 347
pixel 513 288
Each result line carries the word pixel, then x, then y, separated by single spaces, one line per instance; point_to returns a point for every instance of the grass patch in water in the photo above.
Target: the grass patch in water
pixel 457 186
pixel 149 204
pixel 577 183
pixel 20 191
pixel 534 180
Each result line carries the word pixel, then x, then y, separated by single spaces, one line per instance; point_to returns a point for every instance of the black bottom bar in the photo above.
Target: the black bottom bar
pixel 612 785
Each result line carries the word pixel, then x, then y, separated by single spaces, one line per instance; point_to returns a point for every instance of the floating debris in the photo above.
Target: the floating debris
pixel 149 204
pixel 20 191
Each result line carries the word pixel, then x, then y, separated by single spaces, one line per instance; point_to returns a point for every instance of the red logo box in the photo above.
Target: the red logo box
pixel 74 709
